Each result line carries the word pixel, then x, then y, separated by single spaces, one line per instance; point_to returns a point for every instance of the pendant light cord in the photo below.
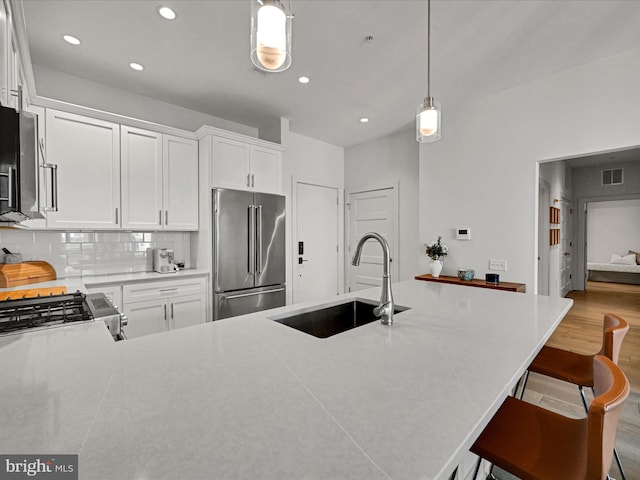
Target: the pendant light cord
pixel 428 48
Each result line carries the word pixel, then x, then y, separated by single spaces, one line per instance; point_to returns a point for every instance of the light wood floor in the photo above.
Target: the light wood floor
pixel 581 331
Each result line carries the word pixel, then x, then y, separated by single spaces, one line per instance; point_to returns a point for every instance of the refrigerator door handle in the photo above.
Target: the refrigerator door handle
pixel 242 295
pixel 259 240
pixel 251 256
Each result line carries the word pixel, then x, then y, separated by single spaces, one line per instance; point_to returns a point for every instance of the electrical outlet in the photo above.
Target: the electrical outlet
pixel 498 264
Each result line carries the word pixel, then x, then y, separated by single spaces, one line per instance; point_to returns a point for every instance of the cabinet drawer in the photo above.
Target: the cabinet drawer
pixel 154 290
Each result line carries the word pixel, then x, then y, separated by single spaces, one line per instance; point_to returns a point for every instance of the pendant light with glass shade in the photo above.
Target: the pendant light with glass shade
pixel 270 35
pixel 429 114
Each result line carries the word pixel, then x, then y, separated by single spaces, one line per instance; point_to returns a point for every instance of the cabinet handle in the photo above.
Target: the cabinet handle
pixel 165 311
pixel 159 217
pixel 166 217
pixel 116 215
pixel 54 186
pixel 10 194
pixel 169 289
pixel 252 179
pixel 172 311
pixel 248 177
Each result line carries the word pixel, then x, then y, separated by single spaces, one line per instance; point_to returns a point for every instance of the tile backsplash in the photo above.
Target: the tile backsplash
pixel 74 254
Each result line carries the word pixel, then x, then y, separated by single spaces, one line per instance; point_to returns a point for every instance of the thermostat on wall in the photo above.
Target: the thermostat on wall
pixel 463 233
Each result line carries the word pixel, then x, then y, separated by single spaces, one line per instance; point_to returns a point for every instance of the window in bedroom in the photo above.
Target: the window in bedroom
pixel 612 177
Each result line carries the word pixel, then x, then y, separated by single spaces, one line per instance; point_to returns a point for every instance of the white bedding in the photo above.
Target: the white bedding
pixel 613 267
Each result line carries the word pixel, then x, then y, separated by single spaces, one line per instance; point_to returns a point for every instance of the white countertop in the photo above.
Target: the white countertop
pixel 95 281
pixel 249 398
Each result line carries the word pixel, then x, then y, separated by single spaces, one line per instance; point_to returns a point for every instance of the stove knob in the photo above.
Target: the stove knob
pixel 124 320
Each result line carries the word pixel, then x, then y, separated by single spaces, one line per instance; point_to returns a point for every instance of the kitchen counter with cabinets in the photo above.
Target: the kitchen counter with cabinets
pixel 97 281
pixel 247 397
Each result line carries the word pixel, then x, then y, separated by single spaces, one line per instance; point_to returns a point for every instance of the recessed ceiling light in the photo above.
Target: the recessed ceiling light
pixel 364 120
pixel 304 80
pixel 166 12
pixel 136 66
pixel 71 39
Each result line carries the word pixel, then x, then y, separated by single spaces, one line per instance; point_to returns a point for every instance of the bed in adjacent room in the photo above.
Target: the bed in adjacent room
pixel 620 269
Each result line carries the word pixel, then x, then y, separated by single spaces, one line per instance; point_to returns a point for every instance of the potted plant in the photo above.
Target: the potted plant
pixel 436 251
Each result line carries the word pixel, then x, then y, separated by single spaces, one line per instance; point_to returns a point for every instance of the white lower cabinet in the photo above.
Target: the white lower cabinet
pixel 186 311
pixel 145 318
pixel 159 306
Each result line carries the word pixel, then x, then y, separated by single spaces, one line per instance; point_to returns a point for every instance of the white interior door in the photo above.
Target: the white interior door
pixel 372 210
pixel 316 252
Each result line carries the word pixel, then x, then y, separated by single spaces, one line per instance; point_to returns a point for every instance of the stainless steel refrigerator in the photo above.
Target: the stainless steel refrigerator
pixel 248 252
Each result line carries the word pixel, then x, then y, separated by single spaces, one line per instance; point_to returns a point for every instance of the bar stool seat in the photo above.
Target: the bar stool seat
pixel 536 444
pixel 524 438
pixel 564 365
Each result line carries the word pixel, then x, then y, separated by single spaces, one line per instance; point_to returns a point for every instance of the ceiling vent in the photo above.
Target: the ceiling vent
pixel 612 177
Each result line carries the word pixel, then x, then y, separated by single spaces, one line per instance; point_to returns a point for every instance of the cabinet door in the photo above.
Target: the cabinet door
pixel 141 152
pixel 4 56
pixel 231 164
pixel 87 152
pixel 186 311
pixel 145 318
pixel 266 170
pixel 180 183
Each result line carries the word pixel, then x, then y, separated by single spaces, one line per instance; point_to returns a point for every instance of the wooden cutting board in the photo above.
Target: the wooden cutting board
pixel 32 293
pixel 14 274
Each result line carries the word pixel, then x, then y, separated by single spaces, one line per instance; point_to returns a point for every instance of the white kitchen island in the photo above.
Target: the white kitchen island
pixel 249 398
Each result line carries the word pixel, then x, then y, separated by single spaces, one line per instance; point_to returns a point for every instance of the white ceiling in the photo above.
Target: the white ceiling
pixel 201 59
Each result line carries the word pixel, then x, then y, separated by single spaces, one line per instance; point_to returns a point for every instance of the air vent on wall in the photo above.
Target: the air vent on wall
pixel 612 177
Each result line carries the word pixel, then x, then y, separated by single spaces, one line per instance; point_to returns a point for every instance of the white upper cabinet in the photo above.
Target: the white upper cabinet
pixel 11 75
pixel 141 152
pixel 231 163
pixel 244 166
pixel 159 181
pixel 87 152
pixel 180 184
pixel 4 55
pixel 266 169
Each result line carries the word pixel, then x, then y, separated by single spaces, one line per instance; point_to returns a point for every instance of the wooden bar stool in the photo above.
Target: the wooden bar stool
pixel 537 444
pixel 578 369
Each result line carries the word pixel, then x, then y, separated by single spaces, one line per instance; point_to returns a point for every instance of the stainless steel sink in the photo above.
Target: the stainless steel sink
pixel 327 321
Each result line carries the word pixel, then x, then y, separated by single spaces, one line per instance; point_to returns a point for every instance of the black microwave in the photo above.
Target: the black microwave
pixel 19 176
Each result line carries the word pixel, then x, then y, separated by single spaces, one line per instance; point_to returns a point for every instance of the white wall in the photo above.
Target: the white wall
pixel 79 91
pixel 310 161
pixel 385 160
pixel 612 227
pixel 74 254
pixel 483 172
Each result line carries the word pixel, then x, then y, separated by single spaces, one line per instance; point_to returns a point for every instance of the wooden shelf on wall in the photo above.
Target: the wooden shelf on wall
pixel 506 286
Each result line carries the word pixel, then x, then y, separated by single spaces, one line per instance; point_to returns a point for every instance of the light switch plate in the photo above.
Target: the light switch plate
pixel 498 264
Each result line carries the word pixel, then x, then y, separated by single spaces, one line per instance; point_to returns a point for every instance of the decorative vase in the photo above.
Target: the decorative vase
pixel 436 268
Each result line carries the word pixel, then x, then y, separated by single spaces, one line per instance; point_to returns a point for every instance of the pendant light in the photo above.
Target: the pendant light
pixel 429 111
pixel 270 35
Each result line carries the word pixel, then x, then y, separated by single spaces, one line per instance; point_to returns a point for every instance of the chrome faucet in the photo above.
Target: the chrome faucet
pixel 385 309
